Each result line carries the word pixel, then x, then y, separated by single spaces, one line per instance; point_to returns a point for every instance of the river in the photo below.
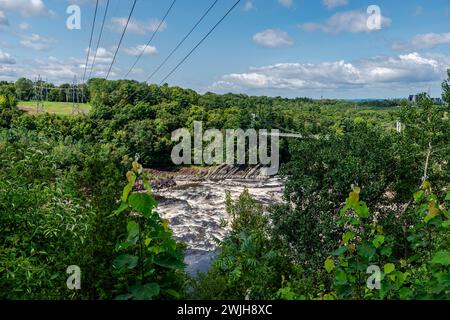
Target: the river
pixel 195 209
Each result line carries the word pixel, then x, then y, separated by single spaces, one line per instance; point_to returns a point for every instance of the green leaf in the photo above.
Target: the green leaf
pixel 142 203
pixel 329 264
pixel 447 197
pixel 446 224
pixel 128 188
pixel 362 210
pixel 366 250
pixel 389 268
pixel 168 262
pixel 122 208
pixel 174 294
pixel 146 292
pixel 147 185
pixel 341 277
pixel 378 241
pixel 127 261
pixel 399 278
pixel 340 251
pixel 344 210
pixel 348 236
pixel 133 232
pixel 418 196
pixel 442 257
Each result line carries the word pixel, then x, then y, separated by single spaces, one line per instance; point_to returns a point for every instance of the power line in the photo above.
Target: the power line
pixel 200 42
pixel 151 38
pixel 99 39
pixel 183 40
pixel 121 38
pixel 90 41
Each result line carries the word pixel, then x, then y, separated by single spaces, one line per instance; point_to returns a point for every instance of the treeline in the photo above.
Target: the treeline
pixel 27 90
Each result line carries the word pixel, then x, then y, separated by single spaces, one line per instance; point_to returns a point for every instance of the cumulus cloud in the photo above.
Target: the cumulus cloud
pixel 103 56
pixel 56 70
pixel 367 73
pixel 286 3
pixel 26 7
pixel 330 4
pixel 350 21
pixel 423 41
pixel 5 58
pixel 135 26
pixel 137 50
pixel 36 42
pixel 3 20
pixel 24 26
pixel 273 38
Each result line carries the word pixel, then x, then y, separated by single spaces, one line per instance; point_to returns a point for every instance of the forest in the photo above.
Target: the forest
pixel 365 203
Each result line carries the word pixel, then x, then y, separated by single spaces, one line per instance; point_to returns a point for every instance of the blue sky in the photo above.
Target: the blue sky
pixel 265 47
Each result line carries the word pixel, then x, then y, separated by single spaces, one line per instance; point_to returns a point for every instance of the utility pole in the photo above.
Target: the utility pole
pixel 38 95
pixel 75 103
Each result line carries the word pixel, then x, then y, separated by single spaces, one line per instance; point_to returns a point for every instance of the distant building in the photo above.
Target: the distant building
pixel 414 98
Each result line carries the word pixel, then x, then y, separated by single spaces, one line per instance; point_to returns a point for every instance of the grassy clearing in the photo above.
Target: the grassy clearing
pixel 61 108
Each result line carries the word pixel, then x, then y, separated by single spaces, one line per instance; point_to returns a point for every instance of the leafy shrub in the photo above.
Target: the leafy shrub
pixel 153 262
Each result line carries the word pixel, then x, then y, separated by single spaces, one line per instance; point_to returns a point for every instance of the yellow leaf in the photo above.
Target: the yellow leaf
pixel 353 197
pixel 426 185
pixel 165 224
pixel 433 211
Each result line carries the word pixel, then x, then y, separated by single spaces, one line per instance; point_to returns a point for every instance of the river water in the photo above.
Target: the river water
pixel 195 210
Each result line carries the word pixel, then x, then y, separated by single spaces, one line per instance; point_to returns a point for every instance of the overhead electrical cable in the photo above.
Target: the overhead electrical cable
pixel 121 39
pixel 183 40
pixel 151 38
pixel 90 41
pixel 99 39
pixel 199 43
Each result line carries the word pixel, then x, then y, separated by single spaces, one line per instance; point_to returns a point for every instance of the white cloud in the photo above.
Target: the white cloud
pixel 330 4
pixel 5 58
pixel 401 70
pixel 36 42
pixel 248 6
pixel 24 26
pixel 350 21
pixel 56 70
pixel 423 41
pixel 26 7
pixel 136 51
pixel 273 38
pixel 3 20
pixel 103 57
pixel 135 26
pixel 286 3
